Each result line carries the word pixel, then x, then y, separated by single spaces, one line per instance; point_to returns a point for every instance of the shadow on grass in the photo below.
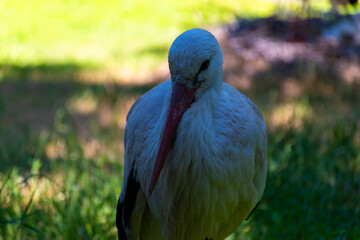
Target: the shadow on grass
pixel 31 96
pixel 63 126
pixel 36 102
pixel 50 72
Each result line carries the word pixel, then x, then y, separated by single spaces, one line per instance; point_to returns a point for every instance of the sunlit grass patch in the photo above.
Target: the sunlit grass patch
pixel 291 114
pixel 110 34
pixel 85 104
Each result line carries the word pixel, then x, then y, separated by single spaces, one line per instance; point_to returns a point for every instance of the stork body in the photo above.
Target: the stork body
pixel 215 169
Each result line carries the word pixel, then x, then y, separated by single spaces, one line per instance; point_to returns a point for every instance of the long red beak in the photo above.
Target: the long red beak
pixel 181 99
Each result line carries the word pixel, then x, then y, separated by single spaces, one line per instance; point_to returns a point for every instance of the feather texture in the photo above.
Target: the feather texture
pixel 222 156
pixel 215 172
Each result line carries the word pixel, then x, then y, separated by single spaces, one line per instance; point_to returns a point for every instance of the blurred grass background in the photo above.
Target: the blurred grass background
pixel 124 34
pixel 68 75
pixel 105 33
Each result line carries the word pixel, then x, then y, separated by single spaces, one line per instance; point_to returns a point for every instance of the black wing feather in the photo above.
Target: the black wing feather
pixel 119 225
pixel 125 208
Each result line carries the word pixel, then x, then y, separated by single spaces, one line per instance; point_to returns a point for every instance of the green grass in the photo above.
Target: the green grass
pixel 313 185
pixel 61 139
pixel 105 33
pixel 312 189
pixel 121 34
pixel 60 177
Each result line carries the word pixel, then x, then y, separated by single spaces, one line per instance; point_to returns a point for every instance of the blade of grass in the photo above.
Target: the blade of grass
pixel 26 225
pixel 24 215
pixel 6 180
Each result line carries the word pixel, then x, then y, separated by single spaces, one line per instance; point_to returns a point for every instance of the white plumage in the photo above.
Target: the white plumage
pixel 215 170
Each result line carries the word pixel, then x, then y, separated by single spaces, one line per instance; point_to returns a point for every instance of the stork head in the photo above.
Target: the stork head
pixel 195 62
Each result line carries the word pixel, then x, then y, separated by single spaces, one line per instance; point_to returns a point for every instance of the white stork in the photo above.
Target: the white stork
pixel 195 151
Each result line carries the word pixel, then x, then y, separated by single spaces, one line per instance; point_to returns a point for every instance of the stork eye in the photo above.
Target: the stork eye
pixel 204 65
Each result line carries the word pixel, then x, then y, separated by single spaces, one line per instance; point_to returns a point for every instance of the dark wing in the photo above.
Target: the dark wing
pixel 119 225
pixel 125 207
